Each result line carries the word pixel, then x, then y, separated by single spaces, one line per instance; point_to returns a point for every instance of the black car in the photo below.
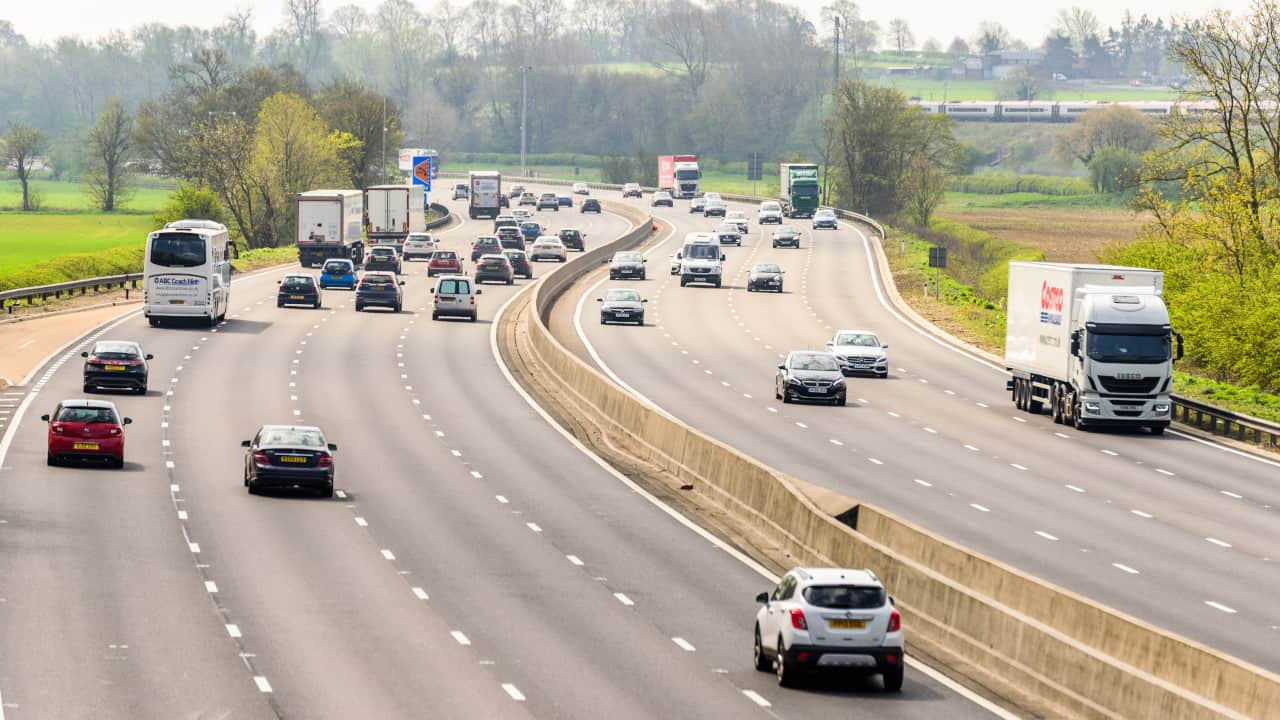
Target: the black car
pixel 485 245
pixel 494 267
pixel 381 289
pixel 810 376
pixel 622 306
pixel 573 239
pixel 504 200
pixel 589 205
pixel 765 276
pixel 382 258
pixel 786 235
pixel 729 235
pixel 626 265
pixel 519 263
pixel 510 238
pixel 298 290
pixel 289 457
pixel 115 364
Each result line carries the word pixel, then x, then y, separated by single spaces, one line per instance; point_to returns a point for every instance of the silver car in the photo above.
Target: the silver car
pixel 621 305
pixel 859 351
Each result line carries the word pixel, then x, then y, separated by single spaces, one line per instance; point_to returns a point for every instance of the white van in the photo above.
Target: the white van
pixel 700 260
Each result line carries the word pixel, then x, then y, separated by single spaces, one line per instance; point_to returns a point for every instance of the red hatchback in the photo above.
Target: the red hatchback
pixel 444 262
pixel 86 430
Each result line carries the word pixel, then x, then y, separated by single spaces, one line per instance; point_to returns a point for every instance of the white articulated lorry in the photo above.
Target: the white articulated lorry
pixel 394 211
pixel 1093 343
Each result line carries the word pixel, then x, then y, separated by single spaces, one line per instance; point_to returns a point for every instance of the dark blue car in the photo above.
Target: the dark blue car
pixel 338 273
pixel 824 219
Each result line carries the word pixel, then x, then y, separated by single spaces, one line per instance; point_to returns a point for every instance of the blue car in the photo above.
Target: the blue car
pixel 531 230
pixel 824 219
pixel 338 273
pixel 565 200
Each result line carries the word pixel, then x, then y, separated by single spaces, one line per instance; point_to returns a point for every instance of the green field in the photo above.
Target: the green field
pixel 30 238
pixel 930 89
pixel 62 196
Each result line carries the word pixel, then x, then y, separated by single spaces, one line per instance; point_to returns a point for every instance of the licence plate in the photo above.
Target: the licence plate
pixel 817 390
pixel 177 302
pixel 861 366
pixel 296 459
pixel 84 446
pixel 445 299
pixel 115 367
pixel 622 314
pixel 297 297
pixel 846 624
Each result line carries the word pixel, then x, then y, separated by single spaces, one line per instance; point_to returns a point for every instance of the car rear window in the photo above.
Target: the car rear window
pixel 454 287
pixel 383 251
pixel 297 281
pixel 116 350
pixel 444 255
pixel 337 268
pixel 376 281
pixel 291 436
pixel 87 415
pixel 845 597
pixel 515 255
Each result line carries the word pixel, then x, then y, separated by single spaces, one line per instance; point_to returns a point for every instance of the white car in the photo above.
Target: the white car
pixel 547 246
pixel 418 245
pixel 739 218
pixel 662 197
pixel 859 351
pixel 581 189
pixel 769 212
pixel 712 196
pixel 520 214
pixel 697 205
pixel 829 618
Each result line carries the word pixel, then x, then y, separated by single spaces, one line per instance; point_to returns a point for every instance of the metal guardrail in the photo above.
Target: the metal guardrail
pixel 441 221
pixel 9 299
pixel 1226 423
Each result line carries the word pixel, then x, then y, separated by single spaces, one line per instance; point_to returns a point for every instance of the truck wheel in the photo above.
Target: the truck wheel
pixel 1034 406
pixel 1055 403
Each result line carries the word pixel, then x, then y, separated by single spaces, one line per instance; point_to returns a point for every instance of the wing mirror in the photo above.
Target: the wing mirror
pixel 84 354
pixel 149 356
pixel 401 282
pixel 1075 343
pixel 1179 336
pixel 679 256
pixel 246 443
pixel 599 299
pixel 723 257
pixel 332 447
pixel 884 347
pixel 479 291
pixel 644 300
pixel 830 344
pixel 44 418
pixel 782 367
pixel 643 260
pixel 127 421
pixel 763 598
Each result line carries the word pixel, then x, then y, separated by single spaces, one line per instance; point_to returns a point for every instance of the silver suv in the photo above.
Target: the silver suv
pixel 829 618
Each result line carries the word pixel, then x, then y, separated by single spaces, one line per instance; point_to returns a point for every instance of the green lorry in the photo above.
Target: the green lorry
pixel 799 189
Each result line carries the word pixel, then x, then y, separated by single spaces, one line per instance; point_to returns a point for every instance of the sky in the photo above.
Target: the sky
pixel 1030 21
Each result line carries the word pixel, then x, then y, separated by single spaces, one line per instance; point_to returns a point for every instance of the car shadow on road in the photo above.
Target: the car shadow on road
pixel 866 687
pixel 243 327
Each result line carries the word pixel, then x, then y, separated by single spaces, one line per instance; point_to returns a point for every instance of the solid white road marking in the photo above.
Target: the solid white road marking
pixel 388 554
pixel 1125 568
pixel 462 639
pixel 1219 543
pixel 261 682
pixel 683 644
pixel 624 599
pixel 513 691
pixel 1220 606
pixel 756 698
pixel 420 593
pixel 1046 535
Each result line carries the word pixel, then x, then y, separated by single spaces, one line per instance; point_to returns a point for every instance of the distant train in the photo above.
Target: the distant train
pixel 1053 110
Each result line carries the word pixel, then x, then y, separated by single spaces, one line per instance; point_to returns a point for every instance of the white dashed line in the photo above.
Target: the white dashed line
pixel 361 521
pixel 1064 436
pixel 982 405
pixel 894 414
pixel 456 453
pixel 801 425
pixel 182 514
pixel 194 548
pixel 534 527
pixel 970 447
pixel 439 433
pixel 1018 419
pixel 575 560
pixel 923 482
pixel 502 499
pixel 1125 568
pixel 462 639
pixel 477 475
pixel 1017 466
pixel 168 464
pixel 1220 606
pixel 756 698
pixel 979 508
pixel 210 586
pixel 233 630
pixel 834 441
pixel 261 682
pixel 875 460
pixel 1142 514
pixel 683 644
pixel 513 691
pixel 1073 488
pixel 1230 494
pixel 1046 535
pixel 1112 453
pixel 388 554
pixel 420 593
pixel 624 599
pixel 931 431
pixel 1162 471
pixel 1219 543
pixel 341 495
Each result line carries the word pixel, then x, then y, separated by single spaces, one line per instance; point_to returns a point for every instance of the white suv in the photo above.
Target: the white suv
pixel 420 245
pixel 769 212
pixel 819 618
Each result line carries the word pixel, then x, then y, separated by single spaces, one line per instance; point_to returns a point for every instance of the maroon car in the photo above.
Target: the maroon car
pixel 444 262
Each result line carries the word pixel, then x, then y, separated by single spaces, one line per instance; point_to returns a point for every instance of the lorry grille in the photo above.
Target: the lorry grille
pixel 1114 384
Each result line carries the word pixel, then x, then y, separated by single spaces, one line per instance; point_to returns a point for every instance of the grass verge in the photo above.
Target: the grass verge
pixel 28 240
pixel 259 258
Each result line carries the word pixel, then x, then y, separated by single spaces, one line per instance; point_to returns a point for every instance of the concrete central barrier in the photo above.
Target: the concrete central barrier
pixel 1004 628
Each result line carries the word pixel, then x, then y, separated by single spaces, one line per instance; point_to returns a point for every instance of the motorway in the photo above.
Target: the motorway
pixel 1176 530
pixel 473 563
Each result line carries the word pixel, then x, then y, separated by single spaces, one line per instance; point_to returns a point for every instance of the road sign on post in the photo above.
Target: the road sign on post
pixel 422 171
pixel 938 259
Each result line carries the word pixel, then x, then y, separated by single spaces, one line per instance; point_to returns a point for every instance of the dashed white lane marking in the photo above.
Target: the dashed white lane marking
pixel 1230 494
pixel 388 554
pixel 456 453
pixel 683 644
pixel 1018 419
pixel 210 586
pixel 1125 568
pixel 931 431
pixel 1064 436
pixel 361 521
pixel 534 527
pixel 756 698
pixel 1112 453
pixel 502 499
pixel 233 630
pixel 261 682
pixel 982 405
pixel 462 639
pixel 875 460
pixel 575 560
pixel 801 425
pixel 1017 466
pixel 1219 543
pixel 923 482
pixel 439 433
pixel 476 475
pixel 182 515
pixel 772 409
pixel 341 495
pixel 746 395
pixel 970 447
pixel 1142 514
pixel 1073 488
pixel 622 598
pixel 894 414
pixel 1220 606
pixel 1046 535
pixel 949 392
pixel 1162 471
pixel 979 508
pixel 420 593
pixel 513 691
pixel 194 548
pixel 834 441
pixel 173 488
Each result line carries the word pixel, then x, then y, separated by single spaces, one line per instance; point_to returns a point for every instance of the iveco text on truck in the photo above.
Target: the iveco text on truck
pixel 799 189
pixel 679 174
pixel 329 226
pixel 1092 342
pixel 392 212
pixel 485 196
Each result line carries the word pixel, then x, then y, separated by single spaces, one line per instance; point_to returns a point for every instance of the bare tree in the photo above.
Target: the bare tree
pixel 1078 24
pixel 110 142
pixel 900 34
pixel 682 29
pixel 990 37
pixel 449 19
pixel 303 20
pixel 931 45
pixel 23 145
pixel 349 21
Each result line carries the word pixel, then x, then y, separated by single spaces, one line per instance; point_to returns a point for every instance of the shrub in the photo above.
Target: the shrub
pixel 1004 183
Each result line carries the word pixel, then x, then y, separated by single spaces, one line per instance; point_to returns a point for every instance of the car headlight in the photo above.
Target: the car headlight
pixel 1162 408
pixel 1092 407
pixel 838 381
pixel 793 381
pixel 841 358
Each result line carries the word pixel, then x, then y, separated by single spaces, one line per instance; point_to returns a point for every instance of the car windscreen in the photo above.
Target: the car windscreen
pixel 454 287
pixel 825 215
pixel 687 175
pixel 515 255
pixel 813 361
pixel 627 257
pixel 859 339
pixel 296 281
pixel 337 268
pixel 530 227
pixel 845 597
pixel 770 206
pixel 622 296
pixel 703 252
pixel 291 436
pixel 178 250
pixel 116 351
pixel 768 269
pixel 86 415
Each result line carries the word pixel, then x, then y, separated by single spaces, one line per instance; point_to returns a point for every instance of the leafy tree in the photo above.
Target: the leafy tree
pixel 1024 83
pixel 1113 169
pixel 924 185
pixel 1058 55
pixel 23 145
pixel 990 37
pixel 1113 127
pixel 191 202
pixel 348 106
pixel 108 176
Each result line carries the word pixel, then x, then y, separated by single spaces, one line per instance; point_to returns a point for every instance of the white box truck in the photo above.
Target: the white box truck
pixel 329 226
pixel 394 211
pixel 485 194
pixel 1093 343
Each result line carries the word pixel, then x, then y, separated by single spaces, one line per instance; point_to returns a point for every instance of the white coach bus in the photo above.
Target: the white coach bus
pixel 187 272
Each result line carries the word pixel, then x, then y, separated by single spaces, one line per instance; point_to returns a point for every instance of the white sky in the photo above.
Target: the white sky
pixel 44 21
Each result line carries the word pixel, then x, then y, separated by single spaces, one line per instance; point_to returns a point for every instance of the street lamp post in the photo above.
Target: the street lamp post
pixel 524 106
pixel 382 170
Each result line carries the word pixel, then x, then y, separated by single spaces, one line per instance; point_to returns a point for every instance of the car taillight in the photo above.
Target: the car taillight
pixel 261 458
pixel 114 431
pixel 797 620
pixel 895 622
pixel 57 429
pixel 324 461
pixel 473 299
